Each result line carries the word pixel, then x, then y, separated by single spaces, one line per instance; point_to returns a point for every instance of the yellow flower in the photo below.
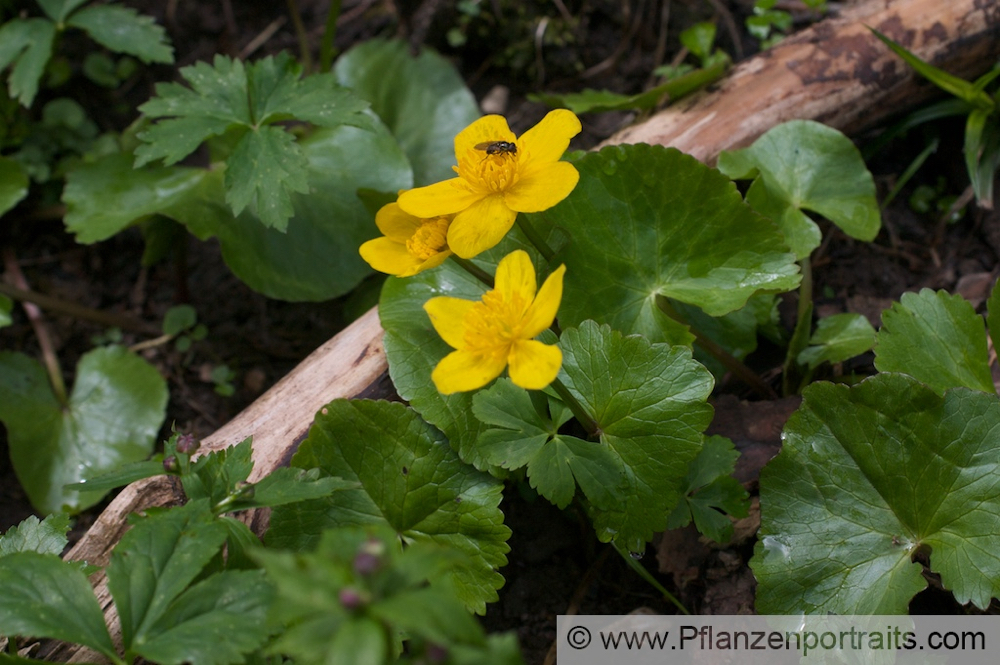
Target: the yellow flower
pixel 410 244
pixel 498 331
pixel 499 175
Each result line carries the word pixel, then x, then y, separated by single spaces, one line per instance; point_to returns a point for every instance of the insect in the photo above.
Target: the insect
pixel 497 147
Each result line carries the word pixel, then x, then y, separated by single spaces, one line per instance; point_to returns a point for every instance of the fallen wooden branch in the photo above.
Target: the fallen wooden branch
pixel 835 72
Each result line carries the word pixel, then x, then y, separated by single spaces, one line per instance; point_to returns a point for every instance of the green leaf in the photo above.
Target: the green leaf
pixel 278 92
pixel 45 537
pixel 804 165
pixel 649 403
pixel 124 30
pixel 215 622
pixel 869 476
pixel 114 411
pixel 155 562
pixel 216 475
pixel 411 480
pixel 699 39
pixel 838 338
pixel 58 10
pixel 13 184
pixel 44 596
pixel 27 45
pixel 6 305
pixel 709 489
pixel 264 169
pixel 178 319
pixel 422 100
pixel 982 153
pixel 556 462
pixel 936 338
pixel 285 485
pixel 121 476
pixel 993 316
pixel 662 224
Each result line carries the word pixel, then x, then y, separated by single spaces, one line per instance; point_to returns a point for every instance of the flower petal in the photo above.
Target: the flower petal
pixel 534 365
pixel 542 311
pixel 516 276
pixel 432 262
pixel 480 227
pixel 388 256
pixel 460 371
pixel 441 198
pixel 448 318
pixel 394 223
pixel 487 129
pixel 547 141
pixel 542 188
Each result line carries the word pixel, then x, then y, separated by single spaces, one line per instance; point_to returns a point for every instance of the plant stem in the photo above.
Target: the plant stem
pixel 474 270
pixel 326 48
pixel 532 235
pixel 803 328
pixel 582 415
pixel 79 311
pixel 644 574
pixel 731 362
pixel 300 32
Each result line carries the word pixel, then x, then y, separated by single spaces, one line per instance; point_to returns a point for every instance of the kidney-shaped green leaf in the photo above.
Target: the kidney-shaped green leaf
pixel 113 414
pixel 936 338
pixel 422 100
pixel 649 401
pixel 868 476
pixel 646 221
pixel 410 479
pixel 804 165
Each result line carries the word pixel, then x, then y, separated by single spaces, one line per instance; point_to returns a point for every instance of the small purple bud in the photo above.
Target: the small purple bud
pixel 351 598
pixel 170 465
pixel 366 563
pixel 436 653
pixel 187 444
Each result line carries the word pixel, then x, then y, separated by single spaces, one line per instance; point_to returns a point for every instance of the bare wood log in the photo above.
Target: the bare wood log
pixel 835 72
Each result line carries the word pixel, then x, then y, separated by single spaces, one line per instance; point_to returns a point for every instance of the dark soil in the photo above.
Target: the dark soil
pixel 556 566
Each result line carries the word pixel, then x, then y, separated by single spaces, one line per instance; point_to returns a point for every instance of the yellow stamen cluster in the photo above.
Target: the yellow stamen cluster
pixel 430 239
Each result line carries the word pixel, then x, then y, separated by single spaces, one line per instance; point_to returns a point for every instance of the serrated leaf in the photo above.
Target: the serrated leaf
pixel 13 184
pixel 804 165
pixel 709 489
pixel 27 45
pixel 114 411
pixel 58 10
pixel 838 338
pixel 868 476
pixel 215 622
pixel 45 537
pixel 285 485
pixel 662 224
pixel 936 338
pixel 556 462
pixel 422 100
pixel 411 480
pixel 264 169
pixel 649 403
pixel 124 30
pixel 215 475
pixel 154 563
pixel 44 596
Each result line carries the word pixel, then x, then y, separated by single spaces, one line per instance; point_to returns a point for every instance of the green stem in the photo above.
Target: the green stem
pixel 474 270
pixel 303 36
pixel 644 574
pixel 326 48
pixel 582 415
pixel 803 330
pixel 534 238
pixel 729 361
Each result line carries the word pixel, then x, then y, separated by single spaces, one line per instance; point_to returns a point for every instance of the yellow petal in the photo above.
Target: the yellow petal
pixel 460 371
pixel 543 310
pixel 396 224
pixel 516 277
pixel 388 256
pixel 547 141
pixel 487 129
pixel 432 262
pixel 480 227
pixel 541 188
pixel 534 365
pixel 441 198
pixel 448 318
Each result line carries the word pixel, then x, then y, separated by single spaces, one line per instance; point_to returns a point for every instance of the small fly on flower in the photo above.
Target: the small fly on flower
pixel 497 147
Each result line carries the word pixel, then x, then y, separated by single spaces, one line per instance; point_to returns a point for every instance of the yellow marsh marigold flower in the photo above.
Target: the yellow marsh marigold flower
pixel 499 175
pixel 498 331
pixel 410 244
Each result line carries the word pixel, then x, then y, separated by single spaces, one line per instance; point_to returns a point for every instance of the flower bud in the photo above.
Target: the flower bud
pixel 351 598
pixel 170 465
pixel 187 444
